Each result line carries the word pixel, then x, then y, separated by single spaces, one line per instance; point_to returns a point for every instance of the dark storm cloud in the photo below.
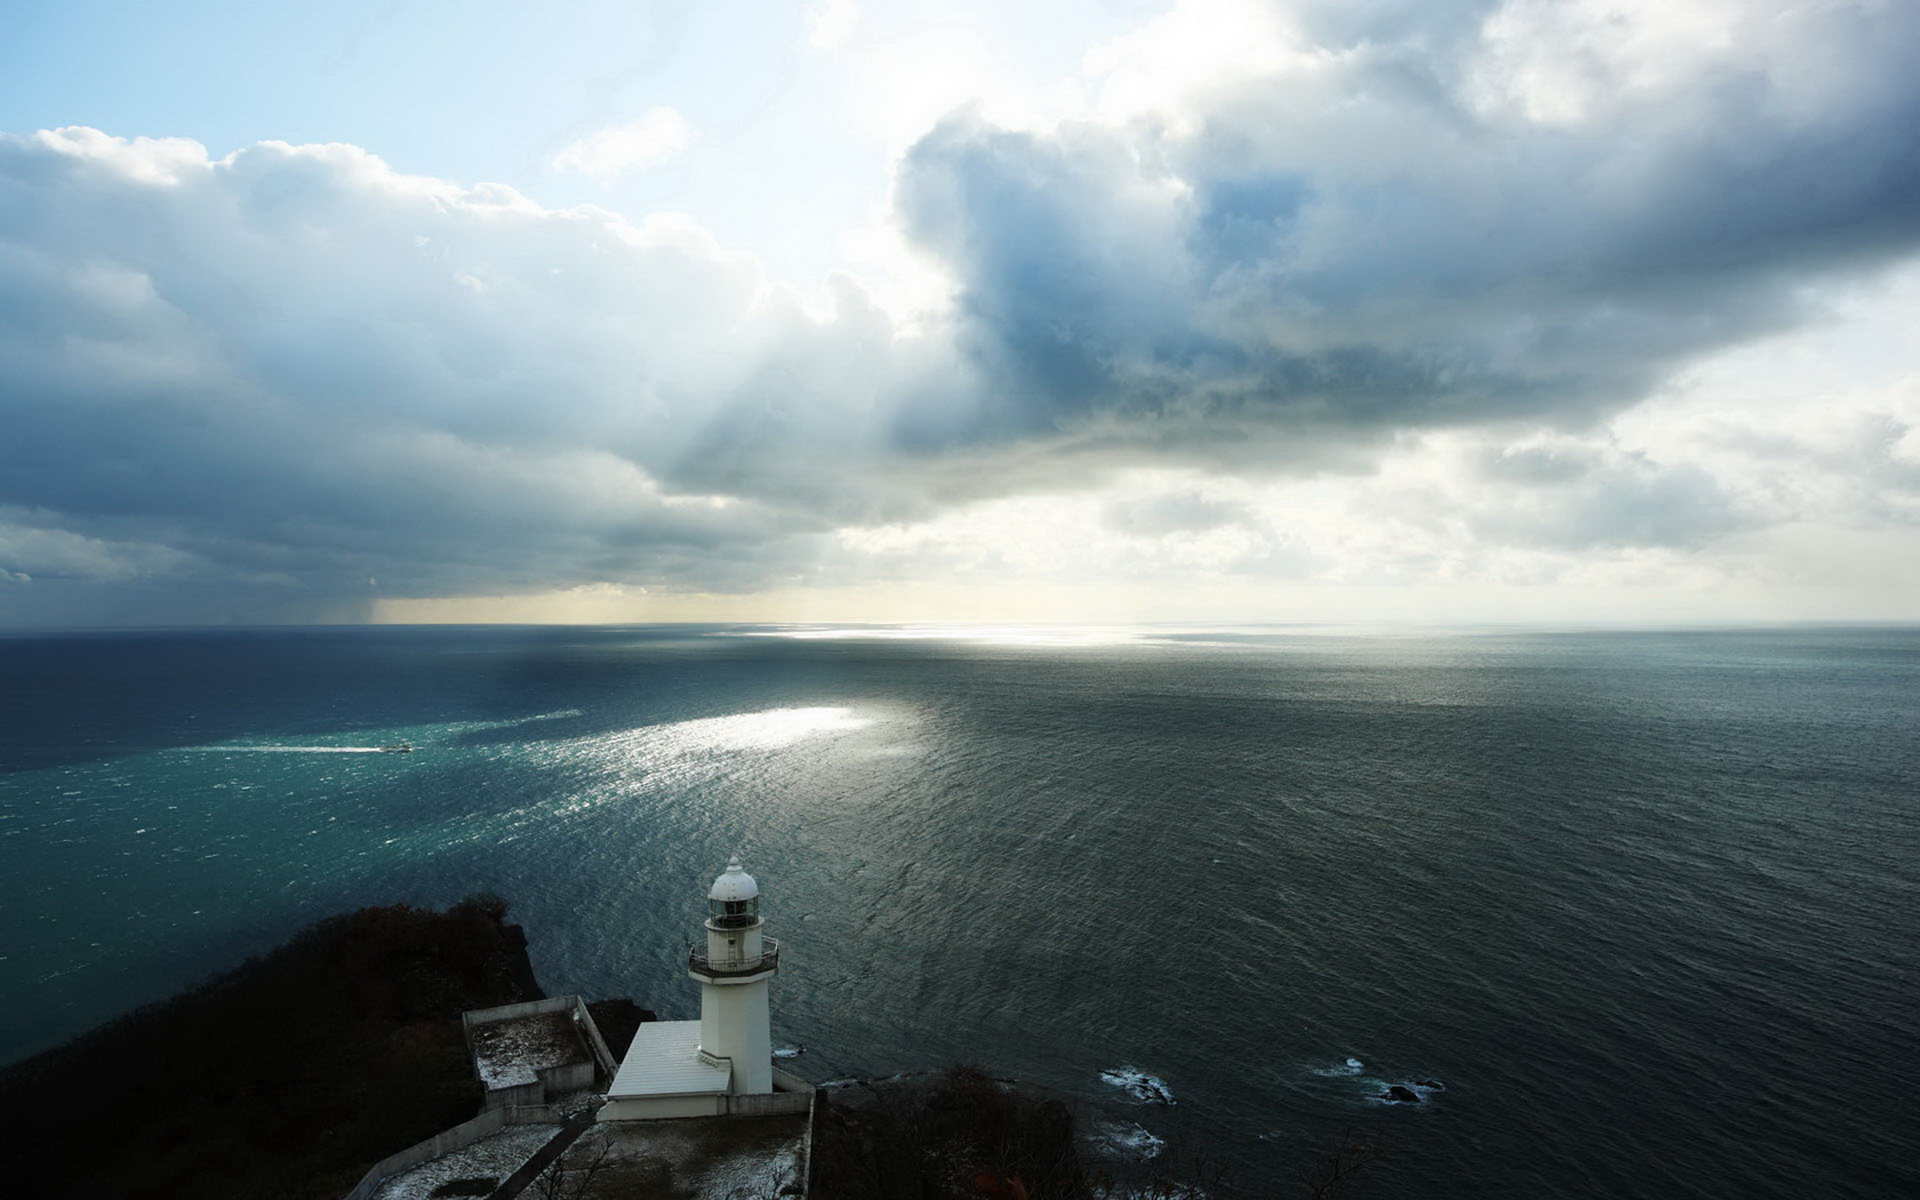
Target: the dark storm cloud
pixel 1420 226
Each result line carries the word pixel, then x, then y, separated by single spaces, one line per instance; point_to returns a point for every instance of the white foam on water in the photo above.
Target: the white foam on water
pixel 1139 1086
pixel 1129 1139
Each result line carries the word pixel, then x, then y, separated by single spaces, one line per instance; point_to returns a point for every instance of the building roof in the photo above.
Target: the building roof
pixel 511 1052
pixel 664 1060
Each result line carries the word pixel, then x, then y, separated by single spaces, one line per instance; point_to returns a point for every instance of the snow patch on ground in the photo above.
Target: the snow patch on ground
pixel 512 1053
pixel 720 1158
pixel 494 1157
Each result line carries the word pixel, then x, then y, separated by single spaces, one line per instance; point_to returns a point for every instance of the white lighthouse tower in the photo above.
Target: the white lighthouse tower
pixel 722 1064
pixel 733 975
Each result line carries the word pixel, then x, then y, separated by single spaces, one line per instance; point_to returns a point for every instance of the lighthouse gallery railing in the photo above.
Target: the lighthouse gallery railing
pixel 767 960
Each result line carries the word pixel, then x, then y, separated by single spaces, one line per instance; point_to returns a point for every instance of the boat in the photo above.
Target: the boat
pixel 397 748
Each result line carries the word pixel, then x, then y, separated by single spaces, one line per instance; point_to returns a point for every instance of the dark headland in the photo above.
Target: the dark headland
pixel 291 1075
pixel 287 1077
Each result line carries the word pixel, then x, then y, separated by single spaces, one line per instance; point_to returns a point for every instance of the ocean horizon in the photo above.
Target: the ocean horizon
pixel 1633 913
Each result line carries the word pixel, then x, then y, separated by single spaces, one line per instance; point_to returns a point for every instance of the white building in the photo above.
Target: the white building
pixel 722 1063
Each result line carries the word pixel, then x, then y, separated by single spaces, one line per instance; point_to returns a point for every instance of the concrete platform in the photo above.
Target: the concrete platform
pixel 714 1158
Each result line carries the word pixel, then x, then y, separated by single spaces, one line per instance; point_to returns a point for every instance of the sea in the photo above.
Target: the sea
pixel 1628 914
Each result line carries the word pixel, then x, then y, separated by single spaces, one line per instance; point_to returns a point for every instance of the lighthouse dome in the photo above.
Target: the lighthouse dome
pixel 734 884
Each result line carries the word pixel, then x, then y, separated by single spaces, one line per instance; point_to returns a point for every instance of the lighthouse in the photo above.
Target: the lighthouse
pixel 733 974
pixel 722 1064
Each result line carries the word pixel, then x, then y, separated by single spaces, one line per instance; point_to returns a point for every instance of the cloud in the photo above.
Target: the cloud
pixel 304 368
pixel 29 551
pixel 1586 498
pixel 1407 225
pixel 1173 513
pixel 1360 292
pixel 657 135
pixel 830 23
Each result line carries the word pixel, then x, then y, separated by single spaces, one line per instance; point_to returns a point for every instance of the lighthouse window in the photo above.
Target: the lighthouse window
pixel 733 914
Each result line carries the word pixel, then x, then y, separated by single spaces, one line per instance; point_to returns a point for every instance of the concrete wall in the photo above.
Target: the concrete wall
pixel 507 1012
pixel 574 1077
pixel 601 1054
pixel 806 1147
pixel 514 1097
pixel 718 1104
pixel 787 1081
pixel 769 1104
pixel 655 1108
pixel 525 1008
pixel 791 1094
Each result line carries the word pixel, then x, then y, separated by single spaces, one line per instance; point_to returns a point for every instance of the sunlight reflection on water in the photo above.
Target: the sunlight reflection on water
pixel 994 635
pixel 677 755
pixel 770 730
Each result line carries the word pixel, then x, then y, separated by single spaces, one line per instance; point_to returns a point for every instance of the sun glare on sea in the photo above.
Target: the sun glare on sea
pixel 995 635
pixel 770 730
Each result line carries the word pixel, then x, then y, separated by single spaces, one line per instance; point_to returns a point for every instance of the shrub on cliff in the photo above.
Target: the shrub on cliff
pixel 286 1077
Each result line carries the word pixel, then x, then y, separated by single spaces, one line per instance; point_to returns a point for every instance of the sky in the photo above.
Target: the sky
pixel 1593 311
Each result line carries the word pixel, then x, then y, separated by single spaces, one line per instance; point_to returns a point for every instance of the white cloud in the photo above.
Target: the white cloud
pixel 657 135
pixel 830 23
pixel 1571 62
pixel 1165 70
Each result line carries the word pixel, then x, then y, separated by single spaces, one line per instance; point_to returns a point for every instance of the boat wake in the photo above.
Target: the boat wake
pixel 388 748
pixel 285 749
